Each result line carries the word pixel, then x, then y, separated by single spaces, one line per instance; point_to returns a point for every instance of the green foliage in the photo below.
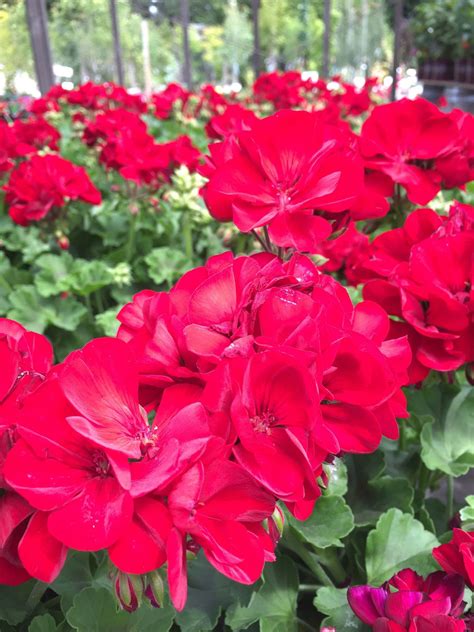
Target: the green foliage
pixel 330 521
pixel 442 448
pixel 333 602
pixel 274 604
pixel 398 541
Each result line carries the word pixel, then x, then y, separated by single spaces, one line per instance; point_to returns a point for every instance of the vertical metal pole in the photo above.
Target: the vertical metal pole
pixel 256 57
pixel 327 37
pixel 146 56
pixel 398 15
pixel 116 39
pixel 37 19
pixel 187 78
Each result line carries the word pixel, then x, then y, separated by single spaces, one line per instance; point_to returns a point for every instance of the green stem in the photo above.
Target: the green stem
pixel 402 440
pixel 292 543
pixel 308 587
pixel 130 247
pixel 99 301
pixel 90 311
pixel 332 562
pixel 187 236
pixel 267 239
pixel 304 625
pixel 423 479
pixel 36 593
pixel 450 499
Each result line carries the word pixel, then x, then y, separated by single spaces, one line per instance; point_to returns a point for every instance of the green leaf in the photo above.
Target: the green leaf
pixel 333 602
pixel 87 277
pixel 166 265
pixel 36 313
pixel 16 602
pixel 68 313
pixel 448 441
pixel 107 321
pixel 209 593
pixel 95 610
pixel 337 478
pixel 52 270
pixel 398 541
pixel 372 492
pixel 75 576
pixel 467 514
pixel 331 520
pixel 274 605
pixel 43 623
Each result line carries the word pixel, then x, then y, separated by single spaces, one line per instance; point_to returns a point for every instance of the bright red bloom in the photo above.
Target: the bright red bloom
pixel 426 270
pixel 37 133
pixel 164 101
pixel 82 488
pixel 416 602
pixel 403 139
pixel 457 556
pixel 233 120
pixel 221 508
pixel 273 405
pixel 232 309
pixel 43 184
pixel 25 358
pixel 285 169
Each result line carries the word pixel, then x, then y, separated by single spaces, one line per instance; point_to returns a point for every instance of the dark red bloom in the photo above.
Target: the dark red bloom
pixel 415 605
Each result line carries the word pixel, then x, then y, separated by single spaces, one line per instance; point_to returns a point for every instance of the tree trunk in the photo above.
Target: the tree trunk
pixel 327 37
pixel 257 54
pixel 398 15
pixel 146 57
pixel 116 40
pixel 38 27
pixel 187 77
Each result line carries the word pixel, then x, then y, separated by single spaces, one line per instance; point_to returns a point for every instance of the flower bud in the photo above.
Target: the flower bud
pixel 63 242
pixel 276 523
pixel 154 589
pixel 128 590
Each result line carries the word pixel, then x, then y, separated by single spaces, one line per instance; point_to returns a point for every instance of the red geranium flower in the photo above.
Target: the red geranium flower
pixel 285 169
pixel 403 139
pixel 43 184
pixel 457 556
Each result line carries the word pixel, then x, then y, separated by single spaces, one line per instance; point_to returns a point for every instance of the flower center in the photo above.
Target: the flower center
pixel 263 423
pixel 101 465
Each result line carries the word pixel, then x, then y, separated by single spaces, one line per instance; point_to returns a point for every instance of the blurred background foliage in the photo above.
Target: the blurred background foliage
pixel 221 40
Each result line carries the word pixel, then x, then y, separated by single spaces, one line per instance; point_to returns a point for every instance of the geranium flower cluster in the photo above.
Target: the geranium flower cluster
pixel 216 401
pixel 24 138
pixel 419 147
pixel 126 146
pixel 289 90
pixel 422 274
pixel 410 603
pixel 295 174
pixel 42 186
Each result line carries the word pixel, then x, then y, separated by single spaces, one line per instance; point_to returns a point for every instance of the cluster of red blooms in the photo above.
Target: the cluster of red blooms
pixel 423 275
pixel 215 401
pixel 419 147
pixel 289 90
pixel 44 184
pixel 24 138
pixel 126 146
pixel 411 603
pixel 294 173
